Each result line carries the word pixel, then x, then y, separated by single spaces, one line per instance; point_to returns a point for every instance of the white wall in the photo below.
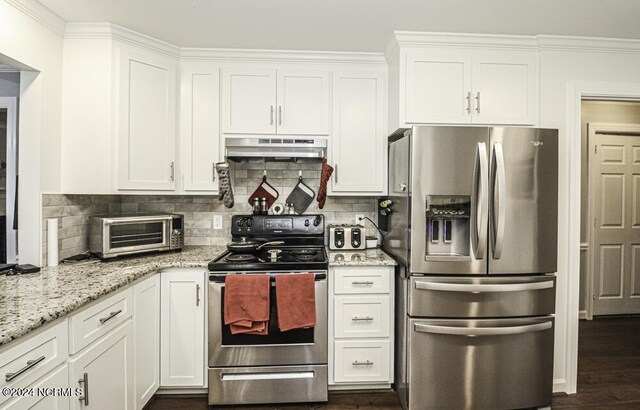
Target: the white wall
pixel 9 84
pixel 561 69
pixel 35 41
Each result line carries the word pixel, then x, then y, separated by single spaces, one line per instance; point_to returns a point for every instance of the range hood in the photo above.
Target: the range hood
pixel 278 148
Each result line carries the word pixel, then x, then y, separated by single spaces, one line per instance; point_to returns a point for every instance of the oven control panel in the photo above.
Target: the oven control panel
pixel 277 224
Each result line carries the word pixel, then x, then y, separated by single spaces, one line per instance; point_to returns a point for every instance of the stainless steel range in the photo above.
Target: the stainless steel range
pixel 280 366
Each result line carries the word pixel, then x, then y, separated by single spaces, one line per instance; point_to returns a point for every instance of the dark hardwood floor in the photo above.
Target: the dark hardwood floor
pixel 608 365
pixel 608 376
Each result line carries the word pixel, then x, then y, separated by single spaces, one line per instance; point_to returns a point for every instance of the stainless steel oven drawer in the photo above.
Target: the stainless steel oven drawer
pixel 275 384
pixel 481 297
pixel 480 364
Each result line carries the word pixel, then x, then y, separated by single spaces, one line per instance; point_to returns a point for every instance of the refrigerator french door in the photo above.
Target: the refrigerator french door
pixel 483 200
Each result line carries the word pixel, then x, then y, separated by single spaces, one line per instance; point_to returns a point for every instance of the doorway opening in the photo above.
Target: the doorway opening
pixel 8 176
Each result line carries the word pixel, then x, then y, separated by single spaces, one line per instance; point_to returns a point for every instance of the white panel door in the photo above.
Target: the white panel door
pixel 358 145
pixel 200 125
pixel 182 328
pixel 438 87
pixel 303 102
pixel 615 209
pixel 248 101
pixel 147 122
pixel 146 328
pixel 108 365
pixel 504 89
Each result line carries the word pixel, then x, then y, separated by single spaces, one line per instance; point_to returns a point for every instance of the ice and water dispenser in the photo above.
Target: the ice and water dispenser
pixel 448 225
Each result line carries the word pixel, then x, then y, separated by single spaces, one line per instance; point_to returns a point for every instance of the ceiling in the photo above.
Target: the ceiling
pixel 348 25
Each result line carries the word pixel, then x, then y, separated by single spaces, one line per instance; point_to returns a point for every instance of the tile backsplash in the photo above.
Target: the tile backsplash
pixel 73 211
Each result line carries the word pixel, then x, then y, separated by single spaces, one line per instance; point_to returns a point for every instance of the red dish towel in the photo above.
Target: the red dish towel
pixel 246 303
pixel 296 301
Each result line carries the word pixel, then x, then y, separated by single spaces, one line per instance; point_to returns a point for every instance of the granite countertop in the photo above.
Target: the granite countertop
pixel 32 300
pixel 364 257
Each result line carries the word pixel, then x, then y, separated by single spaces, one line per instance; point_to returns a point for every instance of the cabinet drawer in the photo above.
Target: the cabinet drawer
pixel 362 280
pixel 361 316
pixel 33 357
pixel 362 361
pixel 95 321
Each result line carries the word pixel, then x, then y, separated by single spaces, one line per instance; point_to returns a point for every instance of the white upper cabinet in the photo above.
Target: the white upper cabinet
pixel 266 101
pixel 200 127
pixel 147 121
pixel 249 101
pixel 438 85
pixel 470 87
pixel 358 147
pixel 303 102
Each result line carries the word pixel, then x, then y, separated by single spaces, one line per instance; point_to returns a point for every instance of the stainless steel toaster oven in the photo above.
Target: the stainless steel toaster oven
pixel 127 234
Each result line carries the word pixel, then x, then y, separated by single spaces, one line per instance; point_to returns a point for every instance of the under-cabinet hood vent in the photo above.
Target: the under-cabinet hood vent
pixel 282 148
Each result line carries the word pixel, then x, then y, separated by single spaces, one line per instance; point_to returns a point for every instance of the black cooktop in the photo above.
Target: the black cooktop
pixel 282 259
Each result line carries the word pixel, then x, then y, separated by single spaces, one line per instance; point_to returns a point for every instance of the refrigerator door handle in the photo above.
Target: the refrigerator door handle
pixel 499 206
pixel 480 199
pixel 482 331
pixel 479 288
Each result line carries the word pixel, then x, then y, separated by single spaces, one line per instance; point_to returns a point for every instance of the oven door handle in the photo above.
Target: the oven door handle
pixel 219 278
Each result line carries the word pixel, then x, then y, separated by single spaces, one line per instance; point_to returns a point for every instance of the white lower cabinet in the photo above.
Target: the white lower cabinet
pixel 361 327
pixel 56 379
pixel 182 330
pixel 146 334
pixel 105 371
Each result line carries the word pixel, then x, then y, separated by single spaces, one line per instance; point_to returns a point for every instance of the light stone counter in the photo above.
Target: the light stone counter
pixel 365 257
pixel 29 301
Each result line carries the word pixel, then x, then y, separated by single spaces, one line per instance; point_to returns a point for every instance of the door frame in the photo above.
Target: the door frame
pixel 593 129
pixel 576 92
pixel 11 105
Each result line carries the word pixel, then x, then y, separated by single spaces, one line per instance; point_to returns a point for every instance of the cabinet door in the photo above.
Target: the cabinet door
pixel 55 379
pixel 200 125
pixel 107 364
pixel 358 140
pixel 146 328
pixel 438 87
pixel 248 101
pixel 182 328
pixel 303 102
pixel 505 89
pixel 147 122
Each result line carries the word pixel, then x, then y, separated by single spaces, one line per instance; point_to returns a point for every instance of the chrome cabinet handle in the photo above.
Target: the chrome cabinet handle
pixel 279 114
pixel 111 316
pixel 475 288
pixel 173 171
pixel 335 172
pixel 469 102
pixel 364 319
pixel 500 207
pixel 481 331
pixel 85 383
pixel 366 363
pixel 214 173
pixel 30 363
pixel 355 282
pixel 197 295
pixel 403 187
pixel 272 115
pixel 478 102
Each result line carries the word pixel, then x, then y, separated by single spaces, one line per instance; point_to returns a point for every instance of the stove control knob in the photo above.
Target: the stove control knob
pixel 239 223
pixel 306 222
pixel 249 222
pixel 316 221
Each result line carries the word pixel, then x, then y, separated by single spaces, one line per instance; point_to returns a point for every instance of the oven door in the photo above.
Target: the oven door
pixel 297 346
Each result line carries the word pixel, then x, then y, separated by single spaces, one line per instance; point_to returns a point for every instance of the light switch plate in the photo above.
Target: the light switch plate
pixel 217 221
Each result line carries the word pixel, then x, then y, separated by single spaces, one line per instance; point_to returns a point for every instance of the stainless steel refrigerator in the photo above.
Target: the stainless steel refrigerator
pixel 474 229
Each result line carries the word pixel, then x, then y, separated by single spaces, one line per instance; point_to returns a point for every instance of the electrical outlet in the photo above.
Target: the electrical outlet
pixel 217 221
pixel 359 219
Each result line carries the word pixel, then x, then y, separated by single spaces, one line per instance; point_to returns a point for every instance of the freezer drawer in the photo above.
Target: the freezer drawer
pixel 484 297
pixel 480 364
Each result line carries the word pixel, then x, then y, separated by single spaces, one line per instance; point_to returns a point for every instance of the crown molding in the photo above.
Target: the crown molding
pixel 588 44
pixel 125 35
pixel 39 14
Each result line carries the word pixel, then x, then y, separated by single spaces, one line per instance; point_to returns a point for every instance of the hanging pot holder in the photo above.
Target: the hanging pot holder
pixel 301 196
pixel 265 190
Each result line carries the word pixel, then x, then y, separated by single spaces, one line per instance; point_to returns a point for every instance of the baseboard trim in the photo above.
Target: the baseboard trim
pixel 560 385
pixel 582 314
pixel 182 391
